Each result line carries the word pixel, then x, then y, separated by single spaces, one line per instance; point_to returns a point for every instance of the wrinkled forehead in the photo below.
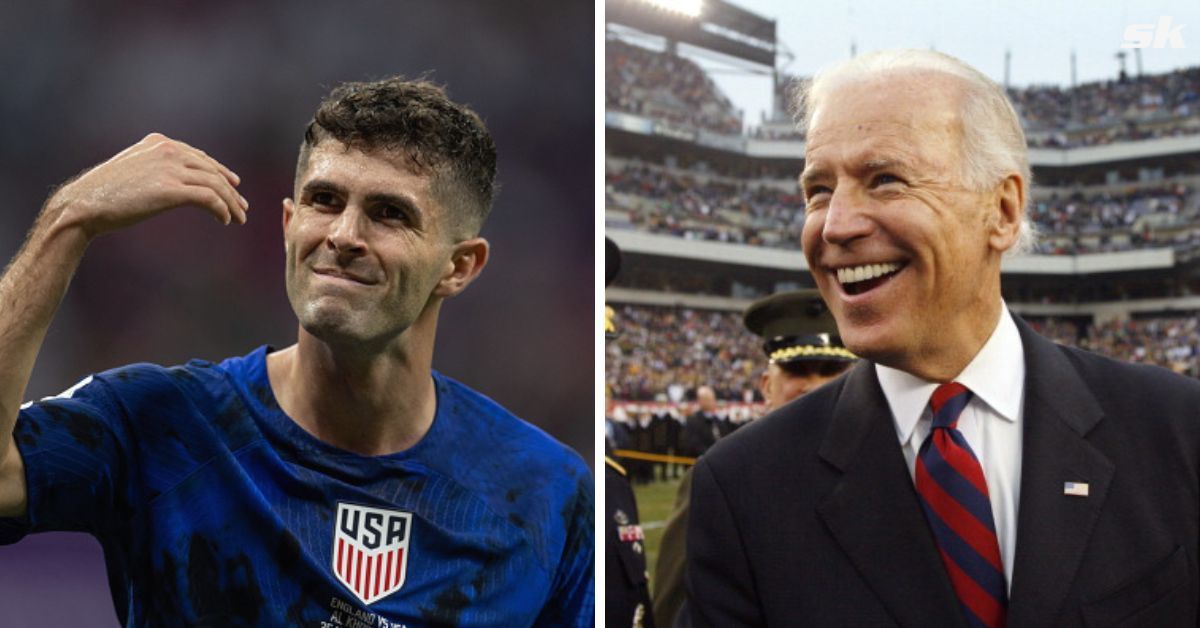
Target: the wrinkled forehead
pixel 906 99
pixel 903 116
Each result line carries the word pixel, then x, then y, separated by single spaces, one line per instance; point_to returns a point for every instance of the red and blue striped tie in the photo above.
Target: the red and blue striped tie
pixel 954 496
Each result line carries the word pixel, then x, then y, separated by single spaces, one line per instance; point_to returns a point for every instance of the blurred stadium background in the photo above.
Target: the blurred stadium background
pixel 84 80
pixel 702 199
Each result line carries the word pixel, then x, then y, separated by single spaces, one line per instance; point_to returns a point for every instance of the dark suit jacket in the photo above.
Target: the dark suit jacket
pixel 698 433
pixel 809 516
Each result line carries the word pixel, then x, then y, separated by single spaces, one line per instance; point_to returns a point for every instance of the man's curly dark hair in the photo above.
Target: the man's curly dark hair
pixel 417 119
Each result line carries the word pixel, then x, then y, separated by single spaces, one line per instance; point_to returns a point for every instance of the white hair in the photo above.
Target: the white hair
pixel 993 143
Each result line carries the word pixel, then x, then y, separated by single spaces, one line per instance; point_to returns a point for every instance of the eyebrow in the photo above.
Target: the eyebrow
pixel 321 185
pixel 875 165
pixel 807 177
pixel 403 202
pixel 810 175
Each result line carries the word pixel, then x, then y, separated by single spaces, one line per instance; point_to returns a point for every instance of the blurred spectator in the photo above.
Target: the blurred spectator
pixel 703 427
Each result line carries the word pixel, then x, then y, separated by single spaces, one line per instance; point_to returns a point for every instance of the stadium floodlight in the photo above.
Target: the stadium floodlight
pixel 715 25
pixel 689 8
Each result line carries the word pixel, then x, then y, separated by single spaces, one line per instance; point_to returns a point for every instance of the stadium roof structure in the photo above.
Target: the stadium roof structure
pixel 720 26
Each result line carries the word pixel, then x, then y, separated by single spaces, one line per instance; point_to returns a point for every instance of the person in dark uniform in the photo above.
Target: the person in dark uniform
pixel 726 424
pixel 660 434
pixel 801 343
pixel 675 443
pixel 703 428
pixel 626 582
pixel 626 586
pixel 640 470
pixel 803 352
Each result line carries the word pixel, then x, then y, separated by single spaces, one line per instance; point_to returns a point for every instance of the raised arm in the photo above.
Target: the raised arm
pixel 146 179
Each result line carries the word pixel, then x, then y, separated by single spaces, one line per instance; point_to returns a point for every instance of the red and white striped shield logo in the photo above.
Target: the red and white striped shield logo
pixel 370 550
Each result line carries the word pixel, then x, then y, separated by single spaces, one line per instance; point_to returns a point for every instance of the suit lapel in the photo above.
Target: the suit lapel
pixel 873 512
pixel 1053 528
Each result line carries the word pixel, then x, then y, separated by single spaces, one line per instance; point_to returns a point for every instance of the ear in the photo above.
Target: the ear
pixel 289 210
pixel 764 385
pixel 466 262
pixel 1007 213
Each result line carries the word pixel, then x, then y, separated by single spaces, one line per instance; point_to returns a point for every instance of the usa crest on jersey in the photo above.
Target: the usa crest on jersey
pixel 370 550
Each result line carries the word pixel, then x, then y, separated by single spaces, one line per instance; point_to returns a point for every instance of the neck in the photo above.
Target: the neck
pixel 947 360
pixel 371 402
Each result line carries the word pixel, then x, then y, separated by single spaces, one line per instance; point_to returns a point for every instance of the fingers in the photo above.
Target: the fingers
pixel 182 151
pixel 233 205
pixel 208 163
pixel 208 182
pixel 209 199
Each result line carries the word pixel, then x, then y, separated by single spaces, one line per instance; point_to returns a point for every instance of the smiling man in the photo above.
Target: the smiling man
pixel 967 471
pixel 340 479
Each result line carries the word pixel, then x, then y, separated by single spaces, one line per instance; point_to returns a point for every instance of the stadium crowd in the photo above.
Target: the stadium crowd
pixel 666 87
pixel 664 353
pixel 1081 213
pixel 669 87
pixel 679 204
pixel 1136 217
pixel 701 207
pixel 1171 342
pixel 1102 112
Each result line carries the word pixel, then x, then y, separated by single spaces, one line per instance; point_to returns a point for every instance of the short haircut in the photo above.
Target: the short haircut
pixel 993 142
pixel 417 119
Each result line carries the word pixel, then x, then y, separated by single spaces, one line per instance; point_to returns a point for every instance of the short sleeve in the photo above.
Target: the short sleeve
pixel 75 462
pixel 573 601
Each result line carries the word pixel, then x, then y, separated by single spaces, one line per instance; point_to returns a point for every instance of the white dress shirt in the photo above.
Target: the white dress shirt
pixel 991 422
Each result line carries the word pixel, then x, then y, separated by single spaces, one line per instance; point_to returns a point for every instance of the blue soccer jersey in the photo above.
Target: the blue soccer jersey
pixel 215 508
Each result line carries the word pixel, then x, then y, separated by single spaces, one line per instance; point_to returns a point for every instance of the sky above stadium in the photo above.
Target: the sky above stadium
pixel 1040 33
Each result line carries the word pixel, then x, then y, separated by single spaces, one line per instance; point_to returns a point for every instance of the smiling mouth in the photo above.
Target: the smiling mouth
pixel 341 275
pixel 859 279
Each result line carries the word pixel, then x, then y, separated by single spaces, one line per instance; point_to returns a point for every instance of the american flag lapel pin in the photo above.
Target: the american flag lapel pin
pixel 1077 489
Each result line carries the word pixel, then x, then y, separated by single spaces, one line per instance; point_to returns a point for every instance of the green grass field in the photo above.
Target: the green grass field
pixel 654 506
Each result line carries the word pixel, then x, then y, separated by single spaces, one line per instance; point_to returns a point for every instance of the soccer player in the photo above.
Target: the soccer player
pixel 338 480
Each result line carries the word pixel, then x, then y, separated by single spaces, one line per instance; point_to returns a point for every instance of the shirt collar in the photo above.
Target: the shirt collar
pixel 996 375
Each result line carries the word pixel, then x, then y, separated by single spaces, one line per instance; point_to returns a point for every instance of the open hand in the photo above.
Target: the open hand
pixel 146 179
